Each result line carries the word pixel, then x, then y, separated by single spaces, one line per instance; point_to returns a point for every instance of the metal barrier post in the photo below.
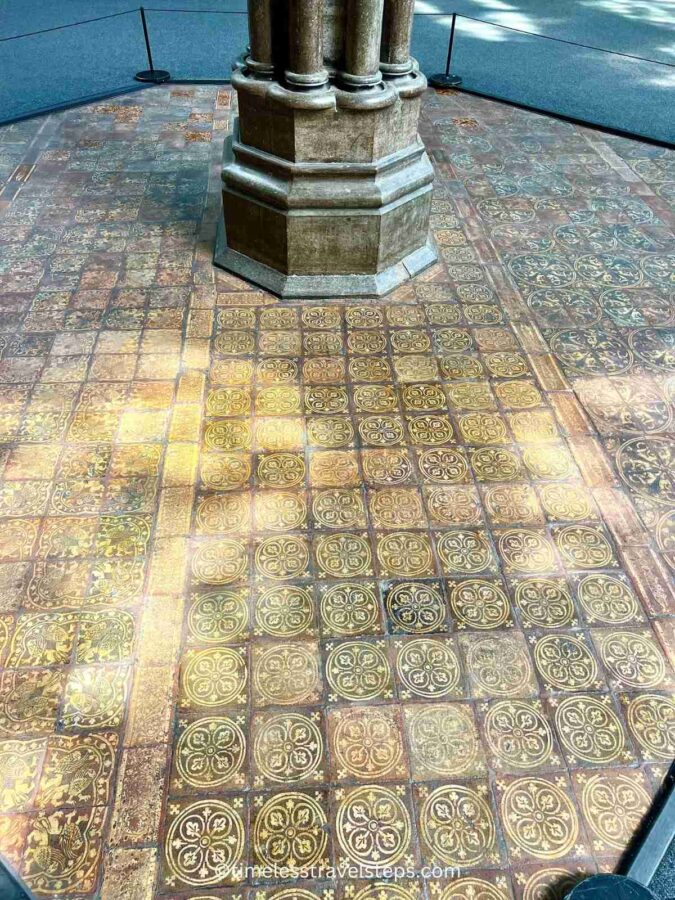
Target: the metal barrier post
pixel 446 80
pixel 151 75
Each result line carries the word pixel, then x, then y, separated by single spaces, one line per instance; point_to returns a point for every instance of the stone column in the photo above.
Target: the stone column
pixel 395 59
pixel 260 59
pixel 362 44
pixel 327 187
pixel 305 35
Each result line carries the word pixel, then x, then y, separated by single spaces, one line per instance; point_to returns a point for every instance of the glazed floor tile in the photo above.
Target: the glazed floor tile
pixel 332 599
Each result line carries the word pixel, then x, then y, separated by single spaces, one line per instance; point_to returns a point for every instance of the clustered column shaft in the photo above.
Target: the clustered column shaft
pixel 396 36
pixel 377 42
pixel 327 187
pixel 362 44
pixel 261 57
pixel 305 32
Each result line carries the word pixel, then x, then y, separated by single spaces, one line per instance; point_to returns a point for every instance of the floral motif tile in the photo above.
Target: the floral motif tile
pixel 289 587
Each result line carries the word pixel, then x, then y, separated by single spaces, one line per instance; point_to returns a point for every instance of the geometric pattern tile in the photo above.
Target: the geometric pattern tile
pixel 362 599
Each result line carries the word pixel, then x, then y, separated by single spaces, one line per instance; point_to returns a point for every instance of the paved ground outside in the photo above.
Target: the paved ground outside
pixel 332 584
pixel 621 93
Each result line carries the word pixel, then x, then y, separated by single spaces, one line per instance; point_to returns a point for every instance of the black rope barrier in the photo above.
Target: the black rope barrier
pixel 219 12
pixel 444 80
pixel 548 37
pixel 150 75
pixel 447 80
pixel 545 37
pixel 243 12
pixel 15 37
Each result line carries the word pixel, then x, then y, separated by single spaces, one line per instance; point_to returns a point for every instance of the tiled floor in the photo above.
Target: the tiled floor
pixel 332 585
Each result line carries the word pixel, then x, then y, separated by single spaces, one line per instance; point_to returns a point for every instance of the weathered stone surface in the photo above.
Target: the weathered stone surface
pixel 362 46
pixel 325 175
pixel 337 134
pixel 396 34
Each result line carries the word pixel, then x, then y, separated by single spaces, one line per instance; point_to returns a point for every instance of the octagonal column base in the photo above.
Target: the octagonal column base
pixel 325 200
pixel 299 287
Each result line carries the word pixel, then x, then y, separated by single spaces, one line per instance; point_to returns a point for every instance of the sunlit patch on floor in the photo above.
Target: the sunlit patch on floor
pixel 365 584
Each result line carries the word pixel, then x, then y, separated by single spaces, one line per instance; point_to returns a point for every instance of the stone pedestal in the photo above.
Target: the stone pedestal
pixel 326 184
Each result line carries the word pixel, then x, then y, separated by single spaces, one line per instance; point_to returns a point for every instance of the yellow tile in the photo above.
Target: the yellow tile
pixel 161 627
pixel 191 387
pixel 196 353
pixel 138 802
pixel 151 707
pixel 180 464
pixel 200 323
pixel 158 365
pixel 185 423
pixel 129 874
pixel 136 427
pixel 175 508
pixel 167 566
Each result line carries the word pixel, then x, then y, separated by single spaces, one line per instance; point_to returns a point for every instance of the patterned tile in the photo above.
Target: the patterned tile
pixel 363 584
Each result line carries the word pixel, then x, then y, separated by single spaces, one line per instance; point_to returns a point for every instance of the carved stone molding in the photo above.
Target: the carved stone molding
pixel 326 184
